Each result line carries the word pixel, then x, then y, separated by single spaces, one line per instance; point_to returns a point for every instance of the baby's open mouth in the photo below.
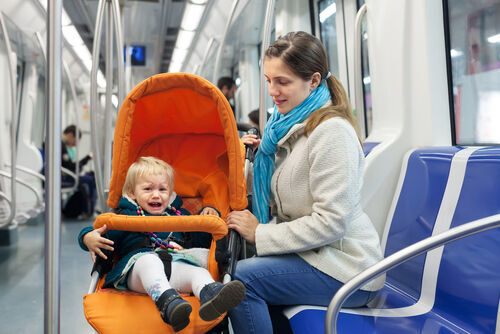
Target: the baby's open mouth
pixel 155 204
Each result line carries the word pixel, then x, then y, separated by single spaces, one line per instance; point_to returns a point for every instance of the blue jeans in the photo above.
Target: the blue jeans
pixel 283 280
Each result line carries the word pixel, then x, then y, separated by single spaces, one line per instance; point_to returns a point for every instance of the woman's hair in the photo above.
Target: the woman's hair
pixel 305 55
pixel 147 166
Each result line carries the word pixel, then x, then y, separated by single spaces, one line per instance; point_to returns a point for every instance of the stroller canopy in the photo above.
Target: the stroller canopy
pixel 186 121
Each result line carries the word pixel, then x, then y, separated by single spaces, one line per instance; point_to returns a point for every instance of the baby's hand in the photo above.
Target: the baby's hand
pixel 95 242
pixel 209 211
pixel 250 140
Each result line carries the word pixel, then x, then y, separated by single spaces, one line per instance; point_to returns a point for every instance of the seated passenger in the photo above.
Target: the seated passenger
pixel 154 263
pixel 84 199
pixel 308 169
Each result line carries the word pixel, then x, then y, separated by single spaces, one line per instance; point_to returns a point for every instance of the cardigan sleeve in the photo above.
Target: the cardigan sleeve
pixel 334 179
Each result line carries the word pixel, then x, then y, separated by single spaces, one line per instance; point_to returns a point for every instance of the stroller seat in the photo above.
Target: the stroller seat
pixel 187 122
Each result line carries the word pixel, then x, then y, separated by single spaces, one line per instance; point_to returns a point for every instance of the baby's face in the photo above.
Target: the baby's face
pixel 152 193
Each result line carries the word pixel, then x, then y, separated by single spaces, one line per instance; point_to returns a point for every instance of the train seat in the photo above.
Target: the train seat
pixel 448 290
pixel 369 146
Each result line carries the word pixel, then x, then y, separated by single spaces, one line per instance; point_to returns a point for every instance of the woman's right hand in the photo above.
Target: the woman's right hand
pixel 95 242
pixel 251 140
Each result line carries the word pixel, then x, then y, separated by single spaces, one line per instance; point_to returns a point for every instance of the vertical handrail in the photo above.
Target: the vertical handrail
pixel 93 103
pixel 221 46
pixel 109 93
pixel 266 37
pixel 119 52
pixel 53 170
pixel 205 55
pixel 358 75
pixel 13 123
pixel 77 124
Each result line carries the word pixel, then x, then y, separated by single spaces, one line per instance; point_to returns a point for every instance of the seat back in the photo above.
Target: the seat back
pixel 468 286
pixel 419 199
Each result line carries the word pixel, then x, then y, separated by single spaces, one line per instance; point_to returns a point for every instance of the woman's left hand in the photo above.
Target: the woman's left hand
pixel 244 222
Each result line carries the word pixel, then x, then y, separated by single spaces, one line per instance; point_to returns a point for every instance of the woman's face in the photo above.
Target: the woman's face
pixel 286 88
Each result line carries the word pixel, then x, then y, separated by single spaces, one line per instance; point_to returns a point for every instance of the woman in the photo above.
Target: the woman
pixel 308 169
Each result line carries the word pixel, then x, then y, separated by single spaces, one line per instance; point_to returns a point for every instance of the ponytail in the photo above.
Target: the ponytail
pixel 340 107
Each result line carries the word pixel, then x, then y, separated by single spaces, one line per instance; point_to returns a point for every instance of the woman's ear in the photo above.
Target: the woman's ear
pixel 315 80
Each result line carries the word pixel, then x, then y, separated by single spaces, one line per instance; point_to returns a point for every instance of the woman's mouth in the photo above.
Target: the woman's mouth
pixel 279 102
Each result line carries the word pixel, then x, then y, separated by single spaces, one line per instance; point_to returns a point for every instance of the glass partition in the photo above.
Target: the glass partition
pixel 473 47
pixel 328 31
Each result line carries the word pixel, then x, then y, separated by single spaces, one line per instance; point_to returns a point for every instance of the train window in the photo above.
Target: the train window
pixel 328 32
pixel 365 71
pixel 473 46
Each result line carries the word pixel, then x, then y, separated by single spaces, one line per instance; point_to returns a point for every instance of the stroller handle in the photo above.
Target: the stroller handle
pixel 211 224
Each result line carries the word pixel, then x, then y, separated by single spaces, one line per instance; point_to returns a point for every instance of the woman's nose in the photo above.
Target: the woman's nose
pixel 273 91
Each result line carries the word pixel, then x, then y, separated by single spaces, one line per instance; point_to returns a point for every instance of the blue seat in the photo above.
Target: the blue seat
pixel 368 147
pixel 461 291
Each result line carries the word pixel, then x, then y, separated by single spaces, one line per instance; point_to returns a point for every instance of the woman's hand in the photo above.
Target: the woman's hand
pixel 244 222
pixel 251 140
pixel 95 242
pixel 209 211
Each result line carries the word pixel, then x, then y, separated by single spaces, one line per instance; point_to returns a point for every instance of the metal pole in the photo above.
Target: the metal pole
pixel 221 46
pixel 93 104
pixel 109 92
pixel 358 75
pixel 53 170
pixel 13 123
pixel 266 37
pixel 119 52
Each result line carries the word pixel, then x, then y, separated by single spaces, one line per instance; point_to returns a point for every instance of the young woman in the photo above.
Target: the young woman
pixel 308 169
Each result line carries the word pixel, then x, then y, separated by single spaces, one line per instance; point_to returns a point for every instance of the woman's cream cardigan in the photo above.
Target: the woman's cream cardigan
pixel 316 203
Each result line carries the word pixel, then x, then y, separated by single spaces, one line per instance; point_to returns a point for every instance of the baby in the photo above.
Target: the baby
pixel 151 262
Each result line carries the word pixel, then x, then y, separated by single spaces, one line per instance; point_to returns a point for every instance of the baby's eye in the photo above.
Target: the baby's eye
pixel 147 188
pixel 163 189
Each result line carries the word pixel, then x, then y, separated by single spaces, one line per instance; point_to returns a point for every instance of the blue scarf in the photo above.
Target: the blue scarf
pixel 276 128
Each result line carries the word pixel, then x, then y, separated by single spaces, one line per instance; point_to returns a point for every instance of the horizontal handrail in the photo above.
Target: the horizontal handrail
pixel 39 200
pixel 400 257
pixel 29 171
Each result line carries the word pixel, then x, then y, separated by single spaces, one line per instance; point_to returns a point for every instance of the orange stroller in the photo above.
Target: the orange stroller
pixel 186 121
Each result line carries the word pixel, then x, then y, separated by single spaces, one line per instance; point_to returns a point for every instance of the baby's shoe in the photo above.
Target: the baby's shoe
pixel 217 298
pixel 174 310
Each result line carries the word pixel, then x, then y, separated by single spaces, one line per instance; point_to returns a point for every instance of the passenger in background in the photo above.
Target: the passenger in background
pixel 227 86
pixel 309 170
pixel 82 202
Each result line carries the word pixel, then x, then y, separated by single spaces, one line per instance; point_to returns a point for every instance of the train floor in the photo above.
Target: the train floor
pixel 22 281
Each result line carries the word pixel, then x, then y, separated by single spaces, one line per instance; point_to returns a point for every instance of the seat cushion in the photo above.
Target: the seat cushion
pixel 112 311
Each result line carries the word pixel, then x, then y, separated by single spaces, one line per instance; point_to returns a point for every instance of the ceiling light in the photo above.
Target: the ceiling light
pixel 174 67
pixel 455 53
pixel 184 39
pixel 327 12
pixel 179 55
pixel 494 39
pixel 192 16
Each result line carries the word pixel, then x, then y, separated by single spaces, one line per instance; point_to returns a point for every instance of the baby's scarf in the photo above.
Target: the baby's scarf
pixel 277 127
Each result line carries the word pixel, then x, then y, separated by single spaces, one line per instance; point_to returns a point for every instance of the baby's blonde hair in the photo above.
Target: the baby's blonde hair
pixel 146 166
